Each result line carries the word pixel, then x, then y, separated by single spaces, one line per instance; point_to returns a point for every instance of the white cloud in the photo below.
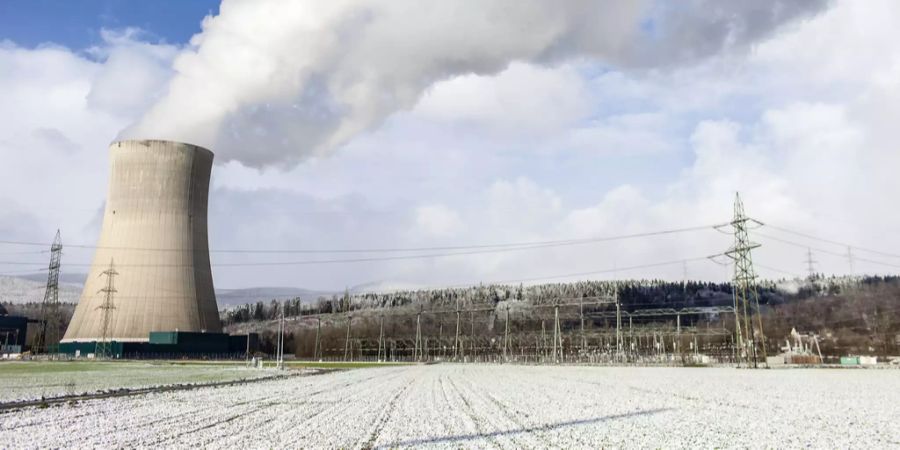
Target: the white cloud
pixel 133 73
pixel 438 221
pixel 60 111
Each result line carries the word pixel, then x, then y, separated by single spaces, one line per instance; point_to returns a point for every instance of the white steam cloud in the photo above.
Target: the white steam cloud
pixel 270 82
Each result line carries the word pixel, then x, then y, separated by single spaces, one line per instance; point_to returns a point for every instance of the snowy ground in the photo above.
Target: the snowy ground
pixel 457 406
pixel 33 380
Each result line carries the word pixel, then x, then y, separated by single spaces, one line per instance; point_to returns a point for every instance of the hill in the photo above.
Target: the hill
pixel 19 290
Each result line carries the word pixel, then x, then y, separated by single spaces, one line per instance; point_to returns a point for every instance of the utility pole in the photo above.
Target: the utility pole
pixel 581 314
pixel 543 339
pixel 472 335
pixel 850 261
pixel 382 353
pixel 48 338
pixel 281 339
pixel 456 349
pixel 677 346
pixel 506 336
pixel 347 354
pixel 738 332
pixel 630 337
pixel 317 349
pixel 103 348
pixel 557 333
pixel 744 290
pixel 418 348
pixel 247 353
pixel 618 321
pixel 441 336
pixel 347 350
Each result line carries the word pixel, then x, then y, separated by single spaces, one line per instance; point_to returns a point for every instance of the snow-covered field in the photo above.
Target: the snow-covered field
pixel 33 380
pixel 457 406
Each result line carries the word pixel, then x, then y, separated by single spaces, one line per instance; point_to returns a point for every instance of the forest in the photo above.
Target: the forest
pixel 849 315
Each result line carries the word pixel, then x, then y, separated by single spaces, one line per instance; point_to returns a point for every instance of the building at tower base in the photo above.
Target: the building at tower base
pixel 173 344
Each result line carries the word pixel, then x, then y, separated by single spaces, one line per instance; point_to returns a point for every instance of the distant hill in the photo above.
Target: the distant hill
pixel 71 278
pixel 30 289
pixel 19 290
pixel 233 297
pixel 384 287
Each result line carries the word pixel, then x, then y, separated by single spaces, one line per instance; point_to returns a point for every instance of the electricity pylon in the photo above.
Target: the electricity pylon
pixel 48 338
pixel 348 349
pixel 317 350
pixel 810 264
pixel 745 295
pixel 104 347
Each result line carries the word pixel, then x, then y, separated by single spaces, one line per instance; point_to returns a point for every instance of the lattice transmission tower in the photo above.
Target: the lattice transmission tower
pixel 104 346
pixel 746 297
pixel 811 265
pixel 48 338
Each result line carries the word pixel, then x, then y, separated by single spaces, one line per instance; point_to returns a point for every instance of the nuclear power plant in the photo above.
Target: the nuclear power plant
pixel 150 280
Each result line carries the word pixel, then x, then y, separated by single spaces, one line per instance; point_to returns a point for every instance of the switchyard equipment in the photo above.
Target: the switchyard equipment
pixel 154 227
pixel 13 331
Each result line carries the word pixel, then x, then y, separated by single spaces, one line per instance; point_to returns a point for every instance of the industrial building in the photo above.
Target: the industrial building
pixel 151 270
pixel 173 344
pixel 13 332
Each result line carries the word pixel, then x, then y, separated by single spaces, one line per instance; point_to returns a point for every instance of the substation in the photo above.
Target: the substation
pixel 582 329
pixel 588 331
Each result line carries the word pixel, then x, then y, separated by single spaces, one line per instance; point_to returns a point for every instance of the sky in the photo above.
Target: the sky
pixel 401 124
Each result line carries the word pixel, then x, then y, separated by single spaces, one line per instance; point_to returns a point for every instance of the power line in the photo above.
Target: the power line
pixel 775 269
pixel 34 252
pixel 394 258
pixel 513 281
pixel 530 244
pixel 542 278
pixel 336 261
pixel 830 241
pixel 822 250
pixel 24 271
pixel 603 271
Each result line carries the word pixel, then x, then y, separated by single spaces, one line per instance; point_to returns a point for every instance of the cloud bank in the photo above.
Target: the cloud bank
pixel 794 106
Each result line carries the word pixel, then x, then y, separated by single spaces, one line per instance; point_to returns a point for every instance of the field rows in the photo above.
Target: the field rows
pixel 33 380
pixel 457 406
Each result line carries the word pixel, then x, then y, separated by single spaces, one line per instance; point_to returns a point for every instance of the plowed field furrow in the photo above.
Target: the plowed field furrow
pixel 490 406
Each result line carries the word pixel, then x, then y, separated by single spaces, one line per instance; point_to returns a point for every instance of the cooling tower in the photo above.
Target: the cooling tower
pixel 154 229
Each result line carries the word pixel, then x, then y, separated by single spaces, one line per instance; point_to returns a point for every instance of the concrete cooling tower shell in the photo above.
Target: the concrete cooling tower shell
pixel 154 229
